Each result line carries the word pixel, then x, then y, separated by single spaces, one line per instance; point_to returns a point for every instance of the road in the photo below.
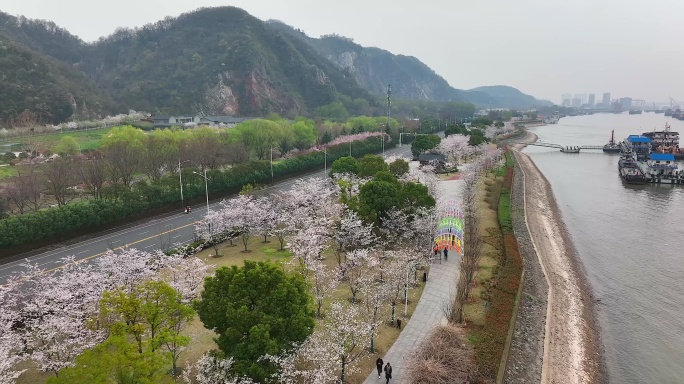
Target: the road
pixel 159 232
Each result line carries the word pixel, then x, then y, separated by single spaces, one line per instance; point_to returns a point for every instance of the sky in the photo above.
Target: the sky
pixel 542 47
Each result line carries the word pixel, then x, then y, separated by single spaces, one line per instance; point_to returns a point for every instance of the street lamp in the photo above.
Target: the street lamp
pixel 206 187
pixel 180 179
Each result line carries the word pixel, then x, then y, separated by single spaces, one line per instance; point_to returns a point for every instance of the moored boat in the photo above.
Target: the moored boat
pixel 612 146
pixel 629 170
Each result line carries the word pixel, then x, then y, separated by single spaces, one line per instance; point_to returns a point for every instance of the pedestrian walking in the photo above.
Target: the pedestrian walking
pixel 388 372
pixel 436 251
pixel 378 365
pixel 446 254
pixel 398 323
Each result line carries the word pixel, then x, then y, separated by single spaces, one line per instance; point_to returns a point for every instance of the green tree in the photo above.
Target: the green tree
pixel 376 198
pixel 414 195
pixel 347 164
pixel 67 146
pixel 333 111
pixel 369 165
pixel 304 133
pixel 399 167
pixel 123 148
pixel 256 309
pixel 116 360
pixel 424 143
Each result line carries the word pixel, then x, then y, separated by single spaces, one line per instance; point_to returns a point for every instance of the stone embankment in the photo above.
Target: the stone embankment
pixel 556 339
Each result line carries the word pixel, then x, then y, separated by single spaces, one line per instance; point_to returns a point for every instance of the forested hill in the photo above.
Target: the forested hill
pixel 218 61
pixel 212 61
pixel 35 88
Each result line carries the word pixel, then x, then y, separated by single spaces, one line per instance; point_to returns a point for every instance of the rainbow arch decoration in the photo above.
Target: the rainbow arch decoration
pixel 449 234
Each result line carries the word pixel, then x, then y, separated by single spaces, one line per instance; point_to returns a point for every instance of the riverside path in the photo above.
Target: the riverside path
pixel 439 289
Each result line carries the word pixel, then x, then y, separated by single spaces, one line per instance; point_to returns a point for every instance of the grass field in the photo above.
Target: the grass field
pixel 88 140
pixel 202 338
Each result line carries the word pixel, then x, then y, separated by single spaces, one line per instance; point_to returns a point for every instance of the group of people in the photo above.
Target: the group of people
pixel 387 369
pixel 436 249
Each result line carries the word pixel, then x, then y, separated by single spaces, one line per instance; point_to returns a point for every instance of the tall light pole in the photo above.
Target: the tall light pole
pixel 406 293
pixel 271 163
pixel 206 186
pixel 180 179
pixel 389 105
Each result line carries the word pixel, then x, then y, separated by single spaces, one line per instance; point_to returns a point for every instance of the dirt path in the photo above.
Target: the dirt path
pixel 571 343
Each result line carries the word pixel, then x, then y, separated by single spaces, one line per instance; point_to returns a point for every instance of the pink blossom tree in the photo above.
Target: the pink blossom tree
pixel 354 269
pixel 212 370
pixel 187 277
pixel 351 233
pixel 454 147
pixel 330 353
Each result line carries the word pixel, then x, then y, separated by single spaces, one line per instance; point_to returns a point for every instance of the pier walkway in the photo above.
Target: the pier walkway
pixel 567 149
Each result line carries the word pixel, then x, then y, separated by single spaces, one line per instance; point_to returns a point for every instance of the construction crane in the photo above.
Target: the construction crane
pixel 674 104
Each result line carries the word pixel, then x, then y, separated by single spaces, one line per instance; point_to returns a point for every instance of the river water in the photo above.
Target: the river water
pixel 630 240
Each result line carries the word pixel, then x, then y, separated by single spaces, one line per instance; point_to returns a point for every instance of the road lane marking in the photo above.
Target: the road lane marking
pixel 87 250
pixel 115 249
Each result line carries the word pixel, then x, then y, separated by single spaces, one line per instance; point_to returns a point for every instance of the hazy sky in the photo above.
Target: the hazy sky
pixel 542 47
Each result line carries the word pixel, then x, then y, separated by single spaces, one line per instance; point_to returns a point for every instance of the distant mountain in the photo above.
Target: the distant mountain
pixel 503 95
pixel 374 68
pixel 213 61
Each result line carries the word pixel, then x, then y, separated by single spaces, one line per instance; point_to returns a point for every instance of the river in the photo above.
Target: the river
pixel 630 240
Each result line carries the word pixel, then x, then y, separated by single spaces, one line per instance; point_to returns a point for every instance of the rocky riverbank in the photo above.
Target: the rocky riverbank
pixel 565 348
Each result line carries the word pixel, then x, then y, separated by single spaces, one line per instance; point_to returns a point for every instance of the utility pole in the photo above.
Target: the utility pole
pixel 389 108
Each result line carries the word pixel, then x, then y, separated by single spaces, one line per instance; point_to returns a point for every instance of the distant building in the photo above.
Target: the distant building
pixel 592 100
pixel 576 102
pixel 626 102
pixel 565 99
pixel 166 121
pixel 606 99
pixel 223 121
pixel 582 97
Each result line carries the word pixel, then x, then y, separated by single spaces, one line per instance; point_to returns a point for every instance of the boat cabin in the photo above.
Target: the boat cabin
pixel 640 145
pixel 661 164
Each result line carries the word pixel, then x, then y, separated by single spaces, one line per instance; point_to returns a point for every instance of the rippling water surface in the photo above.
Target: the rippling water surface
pixel 630 240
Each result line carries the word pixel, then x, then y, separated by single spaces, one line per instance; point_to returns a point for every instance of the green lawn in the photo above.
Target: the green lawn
pixel 87 139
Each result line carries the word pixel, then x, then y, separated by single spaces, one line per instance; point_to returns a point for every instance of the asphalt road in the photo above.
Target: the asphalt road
pixel 160 232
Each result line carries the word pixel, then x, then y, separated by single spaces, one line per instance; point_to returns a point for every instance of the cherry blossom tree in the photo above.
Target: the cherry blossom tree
pixel 308 244
pixel 345 333
pixel 241 213
pixel 266 216
pixel 351 233
pixel 375 296
pixel 187 277
pixel 354 269
pixel 212 370
pixel 330 352
pixel 309 198
pixel 11 346
pixel 52 320
pixel 454 147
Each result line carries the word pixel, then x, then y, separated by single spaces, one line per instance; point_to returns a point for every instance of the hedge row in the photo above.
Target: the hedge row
pixel 38 228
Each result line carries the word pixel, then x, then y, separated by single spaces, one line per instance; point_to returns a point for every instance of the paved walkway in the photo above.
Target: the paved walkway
pixel 428 314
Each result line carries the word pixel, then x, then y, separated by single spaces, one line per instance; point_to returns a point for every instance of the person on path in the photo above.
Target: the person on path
pixel 398 323
pixel 446 254
pixel 388 372
pixel 378 365
pixel 436 251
